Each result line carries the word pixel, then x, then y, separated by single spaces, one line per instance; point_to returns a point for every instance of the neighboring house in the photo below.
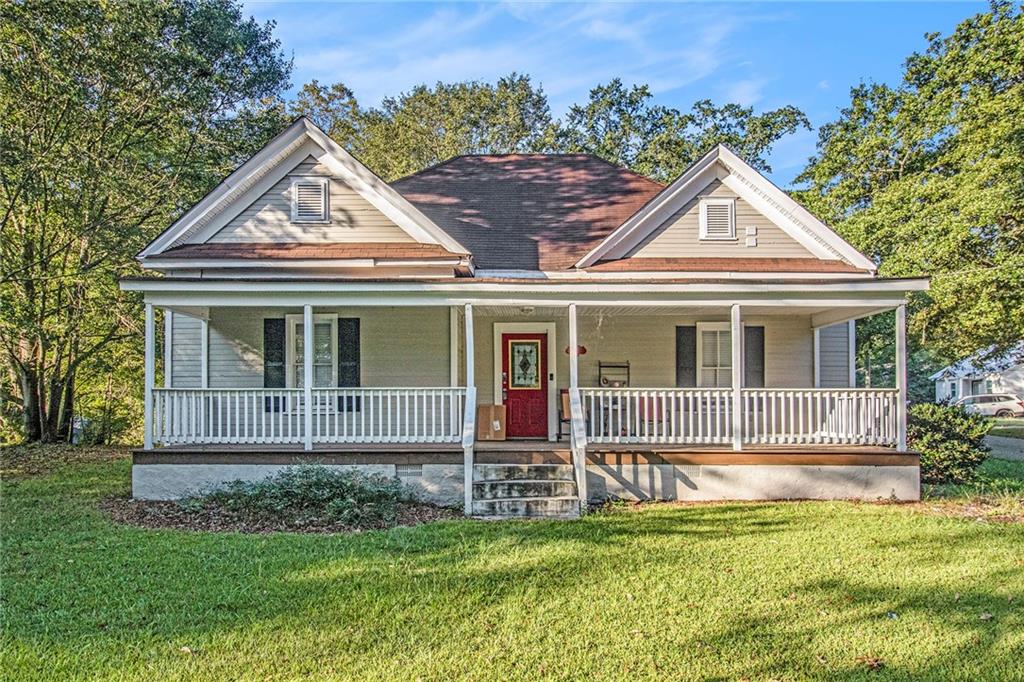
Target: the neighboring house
pixel 973 375
pixel 693 341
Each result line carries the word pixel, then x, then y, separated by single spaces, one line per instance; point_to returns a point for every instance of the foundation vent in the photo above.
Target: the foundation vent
pixel 409 470
pixel 690 470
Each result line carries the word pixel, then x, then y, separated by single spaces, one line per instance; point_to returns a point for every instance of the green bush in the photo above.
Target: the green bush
pixel 313 494
pixel 951 442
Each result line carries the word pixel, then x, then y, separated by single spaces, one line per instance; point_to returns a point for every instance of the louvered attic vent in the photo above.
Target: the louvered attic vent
pixel 717 219
pixel 309 200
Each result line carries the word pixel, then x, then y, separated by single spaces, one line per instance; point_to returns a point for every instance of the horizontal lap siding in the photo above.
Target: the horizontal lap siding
pixel 834 356
pixel 186 342
pixel 680 236
pixel 353 219
pixel 399 346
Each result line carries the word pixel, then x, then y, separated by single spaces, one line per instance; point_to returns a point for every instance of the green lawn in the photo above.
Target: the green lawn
pixel 727 591
pixel 1009 428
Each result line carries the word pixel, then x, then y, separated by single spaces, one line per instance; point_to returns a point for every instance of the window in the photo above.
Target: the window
pixel 717 218
pixel 325 351
pixel 714 355
pixel 310 200
pixel 952 389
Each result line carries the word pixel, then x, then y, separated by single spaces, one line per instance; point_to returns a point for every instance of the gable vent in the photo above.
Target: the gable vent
pixel 717 219
pixel 309 200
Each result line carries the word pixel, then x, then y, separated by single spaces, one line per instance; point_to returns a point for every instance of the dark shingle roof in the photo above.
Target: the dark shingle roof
pixel 527 211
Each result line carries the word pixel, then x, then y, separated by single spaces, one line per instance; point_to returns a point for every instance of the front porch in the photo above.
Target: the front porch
pixel 704 377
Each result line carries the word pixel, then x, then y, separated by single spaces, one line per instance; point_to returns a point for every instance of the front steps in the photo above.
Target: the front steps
pixel 504 491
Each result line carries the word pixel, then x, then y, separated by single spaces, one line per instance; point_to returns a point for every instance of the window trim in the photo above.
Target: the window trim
pixel 703 220
pixel 709 327
pixel 293 321
pixel 325 185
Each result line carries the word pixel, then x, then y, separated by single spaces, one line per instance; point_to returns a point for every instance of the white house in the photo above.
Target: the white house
pixel 688 341
pixel 973 375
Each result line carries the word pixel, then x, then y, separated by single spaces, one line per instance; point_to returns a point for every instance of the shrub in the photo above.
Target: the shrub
pixel 314 494
pixel 950 441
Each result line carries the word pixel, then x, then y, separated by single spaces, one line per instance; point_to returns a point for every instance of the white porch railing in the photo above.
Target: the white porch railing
pixel 194 416
pixel 828 416
pixel 658 415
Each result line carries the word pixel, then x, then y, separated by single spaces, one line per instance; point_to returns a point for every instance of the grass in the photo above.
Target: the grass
pixel 1012 427
pixel 820 590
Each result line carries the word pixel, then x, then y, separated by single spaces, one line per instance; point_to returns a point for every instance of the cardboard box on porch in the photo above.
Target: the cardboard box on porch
pixel 490 422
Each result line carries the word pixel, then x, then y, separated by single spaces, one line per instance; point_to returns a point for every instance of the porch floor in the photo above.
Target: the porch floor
pixel 524 452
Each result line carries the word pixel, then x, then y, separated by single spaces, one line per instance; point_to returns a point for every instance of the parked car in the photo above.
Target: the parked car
pixel 993 405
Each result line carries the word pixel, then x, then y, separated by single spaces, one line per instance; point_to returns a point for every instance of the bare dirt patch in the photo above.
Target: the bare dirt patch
pixel 997 509
pixel 17 461
pixel 211 517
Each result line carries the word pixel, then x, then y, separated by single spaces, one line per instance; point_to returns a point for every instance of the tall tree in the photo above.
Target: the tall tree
pixel 624 126
pixel 928 179
pixel 113 118
pixel 333 108
pixel 427 125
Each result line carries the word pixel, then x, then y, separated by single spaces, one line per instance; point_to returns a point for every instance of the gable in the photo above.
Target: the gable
pixel 353 219
pixel 679 235
pixel 780 211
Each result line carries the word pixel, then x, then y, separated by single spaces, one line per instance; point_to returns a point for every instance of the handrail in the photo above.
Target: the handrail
pixel 468 438
pixel 578 444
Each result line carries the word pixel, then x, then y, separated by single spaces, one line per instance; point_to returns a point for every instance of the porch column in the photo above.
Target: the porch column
pixel 469 421
pixel 307 374
pixel 737 378
pixel 901 377
pixel 204 353
pixel 453 346
pixel 149 373
pixel 574 358
pixel 168 346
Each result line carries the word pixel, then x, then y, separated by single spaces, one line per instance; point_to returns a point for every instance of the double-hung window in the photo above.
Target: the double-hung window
pixel 324 349
pixel 714 354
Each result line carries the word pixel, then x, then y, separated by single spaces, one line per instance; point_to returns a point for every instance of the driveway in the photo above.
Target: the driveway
pixel 1006 448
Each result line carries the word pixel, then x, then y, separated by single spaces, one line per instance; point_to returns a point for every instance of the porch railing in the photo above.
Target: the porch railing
pixel 657 415
pixel 186 416
pixel 807 416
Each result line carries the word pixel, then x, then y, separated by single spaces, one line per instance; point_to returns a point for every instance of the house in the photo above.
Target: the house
pixel 981 374
pixel 690 341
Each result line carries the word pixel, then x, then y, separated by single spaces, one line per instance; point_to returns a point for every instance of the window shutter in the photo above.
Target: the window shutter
pixel 686 356
pixel 309 201
pixel 753 346
pixel 273 360
pixel 348 360
pixel 717 220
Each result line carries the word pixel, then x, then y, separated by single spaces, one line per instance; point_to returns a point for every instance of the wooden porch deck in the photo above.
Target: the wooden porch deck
pixel 525 452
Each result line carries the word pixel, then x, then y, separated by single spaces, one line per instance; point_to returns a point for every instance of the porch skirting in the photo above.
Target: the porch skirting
pixel 438 477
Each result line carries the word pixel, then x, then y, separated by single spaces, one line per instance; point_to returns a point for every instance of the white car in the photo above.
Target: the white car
pixel 993 405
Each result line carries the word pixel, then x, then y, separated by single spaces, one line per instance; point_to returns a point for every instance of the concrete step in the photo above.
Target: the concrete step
pixel 528 507
pixel 532 472
pixel 496 490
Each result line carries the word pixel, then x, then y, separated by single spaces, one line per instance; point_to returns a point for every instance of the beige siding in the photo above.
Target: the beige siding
pixel 399 347
pixel 834 356
pixel 185 350
pixel 679 237
pixel 353 219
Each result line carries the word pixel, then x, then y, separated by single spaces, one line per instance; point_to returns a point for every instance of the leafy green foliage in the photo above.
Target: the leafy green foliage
pixel 307 493
pixel 951 442
pixel 928 178
pixel 114 117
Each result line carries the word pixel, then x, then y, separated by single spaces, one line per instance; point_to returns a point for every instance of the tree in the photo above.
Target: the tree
pixel 114 117
pixel 928 178
pixel 623 126
pixel 426 125
pixel 334 109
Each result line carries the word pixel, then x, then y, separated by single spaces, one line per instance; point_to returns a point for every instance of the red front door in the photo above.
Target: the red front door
pixel 524 384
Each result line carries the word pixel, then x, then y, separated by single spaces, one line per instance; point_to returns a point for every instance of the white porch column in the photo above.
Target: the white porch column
pixel 204 353
pixel 737 378
pixel 574 358
pixel 901 377
pixel 469 421
pixel 149 376
pixel 307 374
pixel 817 357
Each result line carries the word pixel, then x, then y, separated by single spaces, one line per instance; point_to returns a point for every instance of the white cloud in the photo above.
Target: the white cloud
pixel 746 92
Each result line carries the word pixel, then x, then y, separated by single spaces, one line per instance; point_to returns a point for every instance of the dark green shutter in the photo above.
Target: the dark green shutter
pixel 686 356
pixel 348 359
pixel 273 360
pixel 753 346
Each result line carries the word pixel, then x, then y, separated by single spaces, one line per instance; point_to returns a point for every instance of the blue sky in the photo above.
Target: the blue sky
pixel 760 55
